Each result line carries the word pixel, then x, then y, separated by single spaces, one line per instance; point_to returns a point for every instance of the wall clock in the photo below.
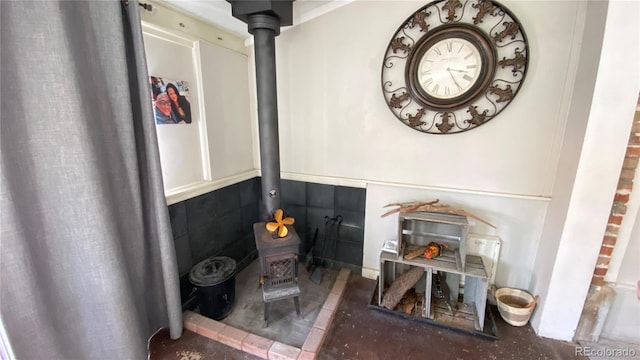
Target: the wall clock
pixel 453 65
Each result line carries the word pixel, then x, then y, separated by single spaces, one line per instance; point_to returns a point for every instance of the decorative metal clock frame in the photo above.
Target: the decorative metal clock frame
pixel 484 26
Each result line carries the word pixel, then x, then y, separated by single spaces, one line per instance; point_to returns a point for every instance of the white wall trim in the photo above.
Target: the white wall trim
pixel 362 183
pixel 167 16
pixel 370 273
pixel 167 35
pixel 196 189
pixel 327 180
pixel 203 187
pixel 204 139
pixel 464 191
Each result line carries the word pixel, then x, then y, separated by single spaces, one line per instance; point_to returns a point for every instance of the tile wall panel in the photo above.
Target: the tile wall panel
pixel 220 223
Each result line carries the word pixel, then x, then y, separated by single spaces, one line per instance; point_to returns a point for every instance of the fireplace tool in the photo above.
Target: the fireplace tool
pixel 334 222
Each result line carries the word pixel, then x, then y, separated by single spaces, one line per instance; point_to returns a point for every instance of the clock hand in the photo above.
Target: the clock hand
pixel 454 79
pixel 464 71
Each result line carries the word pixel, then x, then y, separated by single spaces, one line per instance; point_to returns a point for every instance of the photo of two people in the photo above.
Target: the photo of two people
pixel 170 102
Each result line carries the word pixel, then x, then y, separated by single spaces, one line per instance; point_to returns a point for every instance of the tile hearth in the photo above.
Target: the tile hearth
pixel 287 336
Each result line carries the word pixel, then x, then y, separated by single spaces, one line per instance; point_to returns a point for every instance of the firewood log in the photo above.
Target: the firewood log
pixel 399 287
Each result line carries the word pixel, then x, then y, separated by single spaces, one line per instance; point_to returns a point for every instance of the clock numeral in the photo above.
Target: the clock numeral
pixel 427 82
pixel 436 87
pixel 446 90
pixel 468 56
pixel 437 50
pixel 467 77
pixel 461 47
pixel 449 46
pixel 459 87
pixel 426 72
pixel 472 66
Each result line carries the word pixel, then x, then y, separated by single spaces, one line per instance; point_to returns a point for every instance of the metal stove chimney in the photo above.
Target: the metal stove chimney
pixel 264 19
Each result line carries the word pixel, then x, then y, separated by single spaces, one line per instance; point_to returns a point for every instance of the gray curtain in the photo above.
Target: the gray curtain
pixel 88 267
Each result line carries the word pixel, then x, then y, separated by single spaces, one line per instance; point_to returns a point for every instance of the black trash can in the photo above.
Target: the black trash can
pixel 215 282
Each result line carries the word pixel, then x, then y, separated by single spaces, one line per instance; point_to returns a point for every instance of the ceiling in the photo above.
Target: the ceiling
pixel 218 12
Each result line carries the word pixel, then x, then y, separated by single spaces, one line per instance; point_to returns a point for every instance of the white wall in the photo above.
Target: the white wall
pixel 339 126
pixel 179 144
pixel 216 150
pixel 226 88
pixel 334 120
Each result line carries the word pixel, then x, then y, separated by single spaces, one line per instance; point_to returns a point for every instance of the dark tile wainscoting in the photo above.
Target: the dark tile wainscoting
pixel 220 223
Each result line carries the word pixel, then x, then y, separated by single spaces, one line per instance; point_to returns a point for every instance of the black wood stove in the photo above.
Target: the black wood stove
pixel 279 266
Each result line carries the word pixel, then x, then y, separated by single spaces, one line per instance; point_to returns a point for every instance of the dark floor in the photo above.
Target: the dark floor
pixel 192 346
pixel 358 332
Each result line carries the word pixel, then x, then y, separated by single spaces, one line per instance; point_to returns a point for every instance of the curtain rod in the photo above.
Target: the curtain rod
pixel 146 6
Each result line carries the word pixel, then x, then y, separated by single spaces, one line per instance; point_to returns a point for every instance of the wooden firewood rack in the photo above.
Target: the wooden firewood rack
pixel 465 275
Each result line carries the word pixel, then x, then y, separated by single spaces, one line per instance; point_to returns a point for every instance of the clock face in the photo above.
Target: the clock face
pixel 449 68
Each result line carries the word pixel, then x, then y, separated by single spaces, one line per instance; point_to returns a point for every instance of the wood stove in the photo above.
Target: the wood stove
pixel 278 266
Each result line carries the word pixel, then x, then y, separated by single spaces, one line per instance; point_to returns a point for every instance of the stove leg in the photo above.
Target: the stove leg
pixel 296 301
pixel 266 314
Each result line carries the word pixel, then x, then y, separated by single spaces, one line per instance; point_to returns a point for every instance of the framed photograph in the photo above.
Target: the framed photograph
pixel 170 100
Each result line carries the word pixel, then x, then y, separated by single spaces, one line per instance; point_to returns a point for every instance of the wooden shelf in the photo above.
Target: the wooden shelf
pixel 449 261
pixel 420 228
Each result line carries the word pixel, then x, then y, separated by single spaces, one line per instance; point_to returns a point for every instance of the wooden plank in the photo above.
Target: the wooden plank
pixel 439 263
pixel 435 217
pixel 446 262
pixel 428 236
pixel 415 253
pixel 381 282
pixel 427 300
pixel 463 317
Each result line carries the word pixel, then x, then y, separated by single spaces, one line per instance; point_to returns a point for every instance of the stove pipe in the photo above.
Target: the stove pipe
pixel 264 29
pixel 264 19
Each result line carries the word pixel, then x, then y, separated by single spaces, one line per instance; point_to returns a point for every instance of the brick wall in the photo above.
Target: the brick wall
pixel 620 201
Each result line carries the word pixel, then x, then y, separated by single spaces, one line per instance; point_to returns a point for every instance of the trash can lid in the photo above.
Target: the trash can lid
pixel 212 270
